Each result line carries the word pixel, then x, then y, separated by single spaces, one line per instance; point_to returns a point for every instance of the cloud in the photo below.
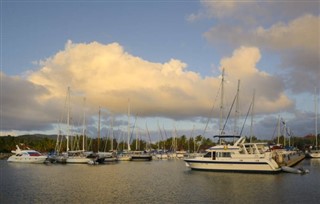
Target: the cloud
pixel 235 12
pixel 295 42
pixel 286 29
pixel 215 9
pixel 21 108
pixel 269 89
pixel 107 76
pixel 299 123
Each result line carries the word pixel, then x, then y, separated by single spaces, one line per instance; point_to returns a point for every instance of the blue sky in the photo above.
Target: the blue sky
pixel 157 31
pixel 166 56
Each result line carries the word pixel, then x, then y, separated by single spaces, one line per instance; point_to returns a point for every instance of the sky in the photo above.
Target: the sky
pixel 162 63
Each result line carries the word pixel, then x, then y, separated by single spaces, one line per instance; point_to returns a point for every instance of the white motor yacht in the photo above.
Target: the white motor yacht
pixel 240 156
pixel 27 156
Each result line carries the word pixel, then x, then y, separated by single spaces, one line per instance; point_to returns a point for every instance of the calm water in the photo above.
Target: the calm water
pixel 152 182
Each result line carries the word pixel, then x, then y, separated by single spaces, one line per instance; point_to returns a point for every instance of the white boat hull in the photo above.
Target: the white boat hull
pixel 27 159
pixel 124 158
pixel 313 154
pixel 162 156
pixel 77 160
pixel 259 165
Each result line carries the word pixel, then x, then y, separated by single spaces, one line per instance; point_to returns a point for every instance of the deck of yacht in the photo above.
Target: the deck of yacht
pixel 292 160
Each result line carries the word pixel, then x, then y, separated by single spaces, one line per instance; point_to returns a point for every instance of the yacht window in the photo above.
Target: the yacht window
pixel 208 154
pixel 225 154
pixel 34 154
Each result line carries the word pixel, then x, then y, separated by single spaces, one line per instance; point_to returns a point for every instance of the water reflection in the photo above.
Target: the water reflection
pixel 151 182
pixel 315 162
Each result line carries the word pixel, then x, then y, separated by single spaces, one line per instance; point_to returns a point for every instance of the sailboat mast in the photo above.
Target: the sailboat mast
pixel 284 134
pixel 252 113
pixel 129 125
pixel 68 117
pixel 316 115
pixel 84 124
pixel 279 129
pixel 236 130
pixel 99 130
pixel 112 132
pixel 221 103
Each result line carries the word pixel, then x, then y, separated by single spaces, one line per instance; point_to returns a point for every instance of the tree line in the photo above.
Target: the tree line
pixel 48 143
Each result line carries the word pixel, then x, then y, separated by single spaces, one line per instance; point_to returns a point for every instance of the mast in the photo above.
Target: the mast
pixel 252 113
pixel 129 149
pixel 316 115
pixel 284 133
pixel 99 130
pixel 68 117
pixel 236 131
pixel 221 103
pixel 84 124
pixel 112 132
pixel 279 129
pixel 137 137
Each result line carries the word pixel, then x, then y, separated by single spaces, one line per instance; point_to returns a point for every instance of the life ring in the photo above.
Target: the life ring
pixel 225 147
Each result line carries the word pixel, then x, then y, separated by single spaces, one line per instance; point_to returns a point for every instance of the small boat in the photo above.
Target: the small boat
pixel 141 156
pixel 161 155
pixel 72 157
pixel 240 156
pixel 77 157
pixel 294 170
pixel 27 156
pixel 104 157
pixel 124 156
pixel 313 154
pixel 181 154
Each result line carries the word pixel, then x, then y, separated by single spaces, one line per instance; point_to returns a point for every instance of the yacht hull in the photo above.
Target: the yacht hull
pixel 259 165
pixel 77 160
pixel 315 154
pixel 27 159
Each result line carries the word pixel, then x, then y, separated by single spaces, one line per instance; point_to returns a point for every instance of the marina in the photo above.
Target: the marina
pixel 122 102
pixel 159 181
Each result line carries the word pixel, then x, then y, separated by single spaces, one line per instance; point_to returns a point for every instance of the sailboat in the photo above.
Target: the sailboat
pixel 315 153
pixel 72 156
pixel 105 156
pixel 139 155
pixel 126 154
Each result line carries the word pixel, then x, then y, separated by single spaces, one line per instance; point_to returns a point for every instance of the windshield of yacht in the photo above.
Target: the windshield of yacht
pixel 34 154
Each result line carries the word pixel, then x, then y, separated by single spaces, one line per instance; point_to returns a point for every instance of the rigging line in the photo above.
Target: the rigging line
pixel 134 125
pixel 211 111
pixel 148 135
pixel 225 123
pixel 274 131
pixel 246 118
